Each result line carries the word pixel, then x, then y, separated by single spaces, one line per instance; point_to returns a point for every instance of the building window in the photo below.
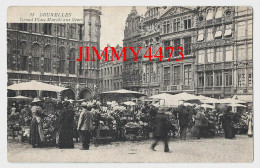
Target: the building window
pixel 201 56
pixel 228 78
pixel 210 55
pixel 47 59
pixel 166 76
pixel 35 28
pixel 62 60
pixel 200 35
pixel 177 43
pixel 72 61
pixel 166 52
pixel 47 28
pixel 241 29
pixel 250 78
pixel 177 74
pixel 80 31
pixel 81 68
pixel 9 54
pixel 218 78
pixel 219 54
pixel 229 53
pixel 209 15
pixel 241 53
pixel 24 57
pixel 241 80
pixel 187 24
pixel 228 30
pixel 176 25
pixel 36 54
pixel 201 79
pixel 187 46
pixel 72 31
pixel 147 73
pixel 166 27
pixel 250 52
pixel 209 34
pixel 61 30
pixel 218 33
pixel 249 28
pixel 187 74
pixel 23 26
pixel 209 78
pixel 115 72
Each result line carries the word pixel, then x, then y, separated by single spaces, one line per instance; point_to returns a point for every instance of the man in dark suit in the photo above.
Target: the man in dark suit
pixel 161 128
pixel 183 122
pixel 85 125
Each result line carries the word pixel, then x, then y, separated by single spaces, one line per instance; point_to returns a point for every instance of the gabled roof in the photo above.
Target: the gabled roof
pixel 176 10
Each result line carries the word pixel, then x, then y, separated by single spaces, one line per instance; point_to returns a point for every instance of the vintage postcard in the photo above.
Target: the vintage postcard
pixel 130 84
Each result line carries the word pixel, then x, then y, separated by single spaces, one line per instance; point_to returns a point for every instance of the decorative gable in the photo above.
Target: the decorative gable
pixel 175 10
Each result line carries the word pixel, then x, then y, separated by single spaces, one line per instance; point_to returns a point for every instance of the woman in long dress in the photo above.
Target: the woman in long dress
pixel 65 127
pixel 36 138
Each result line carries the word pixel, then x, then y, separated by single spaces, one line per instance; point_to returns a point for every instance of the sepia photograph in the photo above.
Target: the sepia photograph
pixel 130 84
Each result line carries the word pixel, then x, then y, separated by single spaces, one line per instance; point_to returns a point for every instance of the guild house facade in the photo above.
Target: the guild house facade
pixel 110 74
pixel 217 47
pixel 47 53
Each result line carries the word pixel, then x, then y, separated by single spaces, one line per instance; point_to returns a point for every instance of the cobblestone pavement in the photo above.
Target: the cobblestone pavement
pixel 204 150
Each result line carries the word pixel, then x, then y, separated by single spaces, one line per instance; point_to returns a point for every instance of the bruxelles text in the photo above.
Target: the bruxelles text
pixel 147 54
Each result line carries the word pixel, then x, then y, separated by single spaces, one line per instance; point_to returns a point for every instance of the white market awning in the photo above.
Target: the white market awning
pixel 245 98
pixel 35 85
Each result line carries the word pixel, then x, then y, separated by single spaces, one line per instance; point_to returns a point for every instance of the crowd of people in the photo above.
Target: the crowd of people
pixel 74 121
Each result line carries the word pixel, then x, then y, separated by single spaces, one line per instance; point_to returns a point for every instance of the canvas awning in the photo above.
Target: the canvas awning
pixel 218 34
pixel 201 37
pixel 35 85
pixel 123 93
pixel 228 32
pixel 219 13
pixel 245 98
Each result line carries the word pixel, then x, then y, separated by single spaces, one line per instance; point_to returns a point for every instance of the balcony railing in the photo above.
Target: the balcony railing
pixel 178 88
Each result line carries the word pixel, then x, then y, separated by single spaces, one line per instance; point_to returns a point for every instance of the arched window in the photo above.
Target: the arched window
pixel 36 54
pixel 35 27
pixel 47 58
pixel 24 54
pixel 61 30
pixel 62 60
pixel 23 27
pixel 72 30
pixel 9 54
pixel 72 61
pixel 47 28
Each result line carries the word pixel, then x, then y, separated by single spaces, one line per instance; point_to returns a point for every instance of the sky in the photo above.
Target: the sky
pixel 113 24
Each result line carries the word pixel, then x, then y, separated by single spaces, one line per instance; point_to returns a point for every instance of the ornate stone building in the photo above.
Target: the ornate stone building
pixel 217 47
pixel 132 76
pixel 110 74
pixel 48 52
pixel 224 51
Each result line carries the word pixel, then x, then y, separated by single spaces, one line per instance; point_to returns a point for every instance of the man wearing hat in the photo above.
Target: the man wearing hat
pixel 161 128
pixel 199 117
pixel 85 125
